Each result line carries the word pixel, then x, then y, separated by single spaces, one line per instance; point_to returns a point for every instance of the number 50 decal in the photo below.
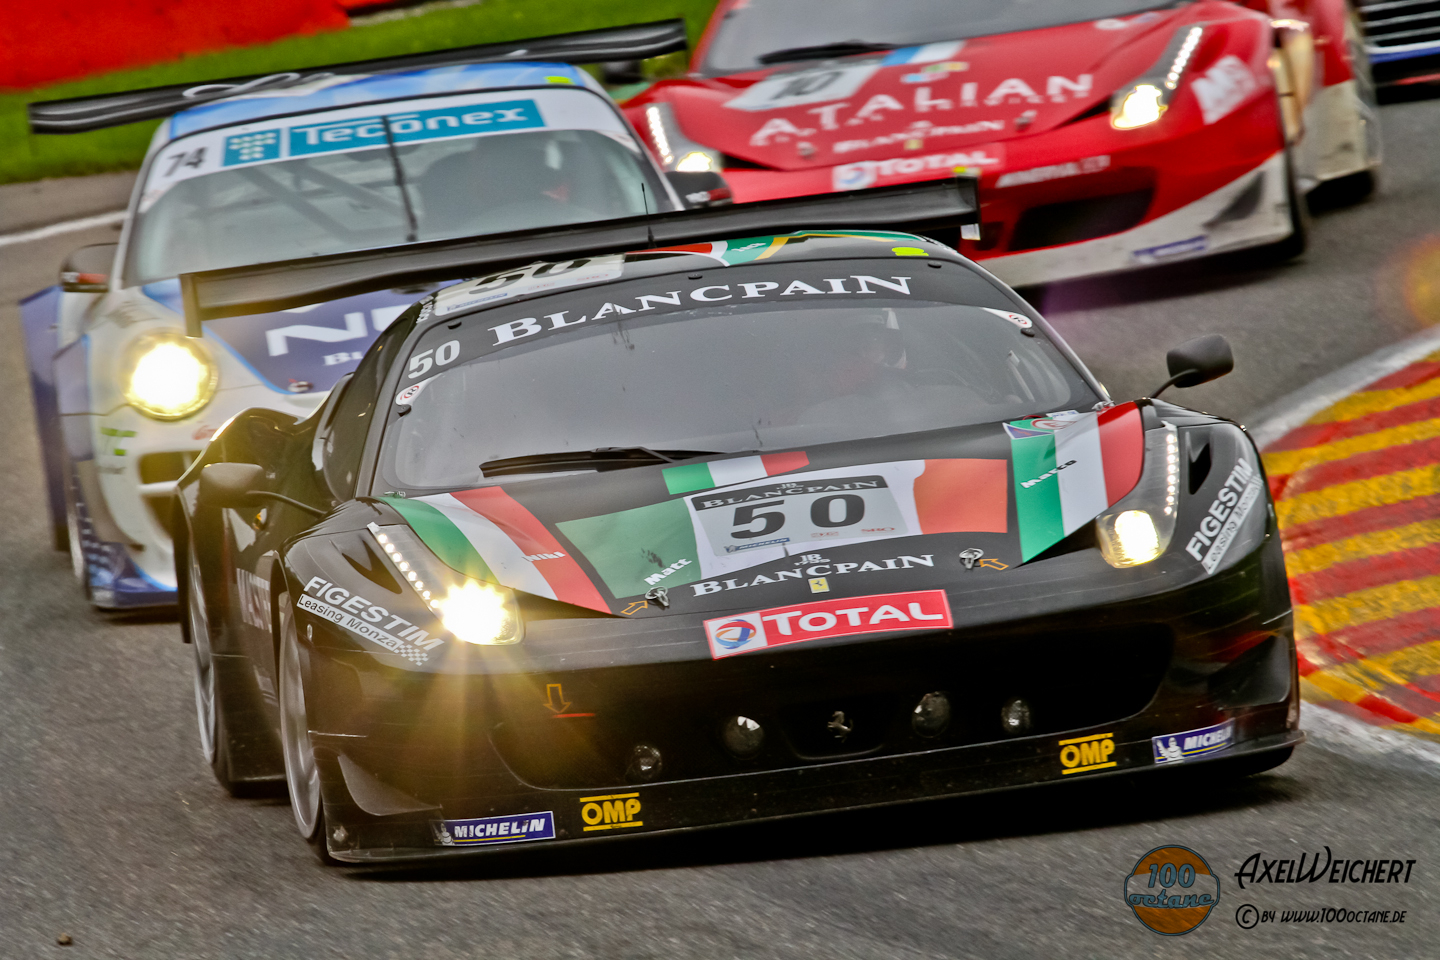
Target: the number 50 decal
pixel 850 508
pixel 421 362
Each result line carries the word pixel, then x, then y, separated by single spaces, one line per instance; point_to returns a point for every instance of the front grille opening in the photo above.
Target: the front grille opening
pixel 1071 680
pixel 1052 224
pixel 167 466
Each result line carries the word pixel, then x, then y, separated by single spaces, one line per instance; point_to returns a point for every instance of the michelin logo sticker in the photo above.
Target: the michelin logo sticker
pixel 1178 747
pixel 486 831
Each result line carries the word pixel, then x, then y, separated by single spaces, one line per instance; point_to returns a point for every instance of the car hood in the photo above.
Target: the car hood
pixel 918 101
pixel 848 519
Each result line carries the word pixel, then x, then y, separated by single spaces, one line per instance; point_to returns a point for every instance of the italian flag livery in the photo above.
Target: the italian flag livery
pixel 729 515
pixel 739 526
pixel 1069 468
pixel 486 534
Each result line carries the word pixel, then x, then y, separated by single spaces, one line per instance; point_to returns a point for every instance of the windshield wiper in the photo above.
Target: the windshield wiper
pixel 601 458
pixel 819 51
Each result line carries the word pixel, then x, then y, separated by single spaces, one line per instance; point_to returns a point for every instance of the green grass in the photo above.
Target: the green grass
pixel 26 156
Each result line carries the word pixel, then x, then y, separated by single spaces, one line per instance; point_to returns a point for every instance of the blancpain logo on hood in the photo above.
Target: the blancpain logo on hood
pixel 713 293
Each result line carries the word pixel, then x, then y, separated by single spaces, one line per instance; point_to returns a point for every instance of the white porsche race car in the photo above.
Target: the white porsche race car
pixel 288 167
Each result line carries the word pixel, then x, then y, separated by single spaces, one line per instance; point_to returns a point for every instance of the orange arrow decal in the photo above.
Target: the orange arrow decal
pixel 994 564
pixel 636 606
pixel 555 698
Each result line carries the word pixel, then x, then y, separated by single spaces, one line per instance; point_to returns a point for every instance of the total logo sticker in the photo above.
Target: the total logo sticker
pixel 821 619
pixel 407 395
pixel 1019 319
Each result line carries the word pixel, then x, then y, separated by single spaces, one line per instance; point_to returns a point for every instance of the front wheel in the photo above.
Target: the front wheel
pixel 214 738
pixel 302 773
pixel 1295 244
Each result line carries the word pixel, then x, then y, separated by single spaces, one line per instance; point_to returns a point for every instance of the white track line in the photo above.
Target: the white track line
pixel 69 226
pixel 1274 420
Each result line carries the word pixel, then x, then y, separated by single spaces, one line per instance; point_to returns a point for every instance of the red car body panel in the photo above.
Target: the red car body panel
pixel 1030 113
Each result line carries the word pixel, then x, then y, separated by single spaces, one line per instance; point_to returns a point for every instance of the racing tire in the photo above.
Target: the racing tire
pixel 302 770
pixel 209 700
pixel 1294 245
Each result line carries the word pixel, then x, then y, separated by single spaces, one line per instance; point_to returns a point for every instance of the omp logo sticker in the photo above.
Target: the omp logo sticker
pixel 1230 508
pixel 1084 754
pixel 614 812
pixel 485 831
pixel 413 125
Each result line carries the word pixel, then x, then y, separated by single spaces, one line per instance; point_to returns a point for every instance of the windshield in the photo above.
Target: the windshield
pixel 755 28
pixel 308 186
pixel 726 377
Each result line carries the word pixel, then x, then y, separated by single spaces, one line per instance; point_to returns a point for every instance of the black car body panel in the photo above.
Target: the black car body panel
pixel 616 714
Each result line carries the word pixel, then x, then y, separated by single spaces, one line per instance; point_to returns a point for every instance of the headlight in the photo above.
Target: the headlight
pixel 168 376
pixel 480 613
pixel 675 150
pixel 1144 103
pixel 1138 528
pixel 697 161
pixel 471 610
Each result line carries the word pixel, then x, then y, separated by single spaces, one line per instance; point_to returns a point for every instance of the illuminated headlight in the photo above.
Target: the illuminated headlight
pixel 1140 105
pixel 1138 528
pixel 482 613
pixel 696 161
pixel 471 610
pixel 168 376
pixel 1145 101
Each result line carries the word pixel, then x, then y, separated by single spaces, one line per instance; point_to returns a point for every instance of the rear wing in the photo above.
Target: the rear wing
pixel 268 287
pixel 81 114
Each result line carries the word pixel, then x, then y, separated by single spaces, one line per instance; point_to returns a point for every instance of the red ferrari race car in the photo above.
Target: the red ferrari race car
pixel 1108 134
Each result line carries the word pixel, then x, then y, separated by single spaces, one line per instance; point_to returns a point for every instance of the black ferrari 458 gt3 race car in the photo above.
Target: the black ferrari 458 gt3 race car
pixel 782 513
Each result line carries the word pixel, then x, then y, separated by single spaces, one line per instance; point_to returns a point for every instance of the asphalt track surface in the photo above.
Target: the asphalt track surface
pixel 113 832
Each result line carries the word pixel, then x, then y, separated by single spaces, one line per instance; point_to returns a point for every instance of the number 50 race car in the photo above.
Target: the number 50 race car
pixel 294 164
pixel 750 523
pixel 1108 134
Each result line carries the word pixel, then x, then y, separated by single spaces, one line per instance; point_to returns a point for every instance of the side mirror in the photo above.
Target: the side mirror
pixel 701 189
pixel 87 270
pixel 1198 361
pixel 618 73
pixel 229 485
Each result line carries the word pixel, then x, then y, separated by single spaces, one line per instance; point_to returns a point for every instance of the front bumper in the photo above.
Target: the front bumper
pixel 404 753
pixel 1084 199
